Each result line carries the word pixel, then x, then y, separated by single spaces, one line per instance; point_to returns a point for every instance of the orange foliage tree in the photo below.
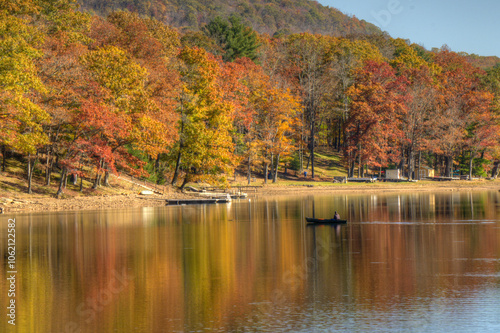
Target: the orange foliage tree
pixel 377 110
pixel 461 103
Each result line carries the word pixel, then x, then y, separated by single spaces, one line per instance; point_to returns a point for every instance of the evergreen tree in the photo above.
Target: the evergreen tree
pixel 236 39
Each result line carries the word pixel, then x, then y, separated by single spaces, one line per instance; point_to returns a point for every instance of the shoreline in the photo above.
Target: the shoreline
pixel 386 187
pixel 40 203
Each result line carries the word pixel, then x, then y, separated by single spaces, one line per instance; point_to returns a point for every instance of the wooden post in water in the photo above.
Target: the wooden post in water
pixel 314 216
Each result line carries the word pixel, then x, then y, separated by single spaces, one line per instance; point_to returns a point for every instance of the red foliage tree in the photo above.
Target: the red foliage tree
pixel 378 106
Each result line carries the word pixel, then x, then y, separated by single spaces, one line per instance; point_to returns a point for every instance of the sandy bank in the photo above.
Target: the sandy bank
pixel 83 203
pixel 35 203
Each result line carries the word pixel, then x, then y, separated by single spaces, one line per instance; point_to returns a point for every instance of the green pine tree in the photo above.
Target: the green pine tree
pixel 236 39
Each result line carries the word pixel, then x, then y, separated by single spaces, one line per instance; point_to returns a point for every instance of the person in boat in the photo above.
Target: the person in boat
pixel 336 216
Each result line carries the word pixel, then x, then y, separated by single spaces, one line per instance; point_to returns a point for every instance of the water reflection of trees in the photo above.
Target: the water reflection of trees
pixel 424 206
pixel 254 262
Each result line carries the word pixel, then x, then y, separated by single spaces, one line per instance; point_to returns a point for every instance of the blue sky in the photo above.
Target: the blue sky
pixel 464 25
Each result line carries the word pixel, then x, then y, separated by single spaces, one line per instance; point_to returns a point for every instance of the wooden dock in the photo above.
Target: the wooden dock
pixel 360 180
pixel 201 201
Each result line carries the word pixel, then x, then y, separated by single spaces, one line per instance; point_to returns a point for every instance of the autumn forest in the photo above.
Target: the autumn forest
pixel 90 95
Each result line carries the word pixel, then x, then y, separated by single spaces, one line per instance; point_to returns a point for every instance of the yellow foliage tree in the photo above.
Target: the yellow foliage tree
pixel 21 119
pixel 205 149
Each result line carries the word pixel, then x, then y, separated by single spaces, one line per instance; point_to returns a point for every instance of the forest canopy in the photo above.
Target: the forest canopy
pixel 92 95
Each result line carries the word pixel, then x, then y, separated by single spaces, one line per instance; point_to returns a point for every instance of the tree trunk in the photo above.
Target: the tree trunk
pixel 61 182
pixel 28 174
pixel 181 145
pixel 496 169
pixel 159 171
pixel 96 180
pixel 339 136
pixel 65 181
pixel 349 165
pixel 266 170
pixel 48 167
pixel 436 164
pixel 345 114
pixel 31 169
pixel 401 164
pixel 249 173
pixel 312 150
pixel 48 173
pixel 419 163
pixel 312 161
pixel 4 157
pixel 359 166
pixel 351 169
pixel 411 164
pixel 184 182
pixel 81 178
pixel 448 166
pixel 301 161
pixel 272 166
pixel 471 162
pixel 275 178
pixel 106 178
pixel 157 163
pixel 177 166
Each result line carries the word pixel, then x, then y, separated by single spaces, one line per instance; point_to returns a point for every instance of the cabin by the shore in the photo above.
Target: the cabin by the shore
pixel 393 174
pixel 425 172
pixel 422 173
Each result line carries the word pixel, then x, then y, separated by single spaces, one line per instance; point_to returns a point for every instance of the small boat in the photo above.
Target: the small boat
pixel 319 221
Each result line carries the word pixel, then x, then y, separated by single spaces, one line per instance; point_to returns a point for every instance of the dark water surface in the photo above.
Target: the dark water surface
pixel 415 262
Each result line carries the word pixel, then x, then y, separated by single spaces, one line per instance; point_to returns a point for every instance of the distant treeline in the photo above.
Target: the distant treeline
pixel 264 16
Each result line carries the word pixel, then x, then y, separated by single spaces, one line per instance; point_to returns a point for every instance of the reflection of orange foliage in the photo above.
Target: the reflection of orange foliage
pixel 221 266
pixel 397 257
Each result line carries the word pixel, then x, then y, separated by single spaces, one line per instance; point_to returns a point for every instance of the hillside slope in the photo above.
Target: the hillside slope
pixel 483 62
pixel 265 16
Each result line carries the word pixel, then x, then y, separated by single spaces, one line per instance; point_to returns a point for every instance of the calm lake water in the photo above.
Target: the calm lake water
pixel 415 262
